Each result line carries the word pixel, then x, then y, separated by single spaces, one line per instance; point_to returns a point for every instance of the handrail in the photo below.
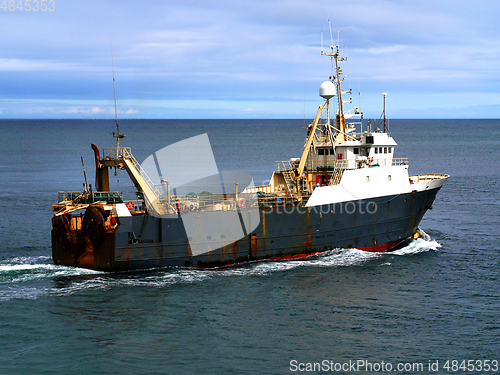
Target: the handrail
pixel 427 177
pixel 142 172
pixel 116 152
pixel 212 202
pixel 126 152
pixel 399 161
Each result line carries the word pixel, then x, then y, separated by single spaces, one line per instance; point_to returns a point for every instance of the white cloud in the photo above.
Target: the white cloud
pixel 33 65
pixel 70 110
pixel 239 51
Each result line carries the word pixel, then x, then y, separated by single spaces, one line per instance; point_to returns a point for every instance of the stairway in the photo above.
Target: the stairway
pixel 289 175
pixel 152 195
pixel 339 168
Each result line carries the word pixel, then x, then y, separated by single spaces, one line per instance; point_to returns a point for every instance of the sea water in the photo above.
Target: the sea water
pixel 436 300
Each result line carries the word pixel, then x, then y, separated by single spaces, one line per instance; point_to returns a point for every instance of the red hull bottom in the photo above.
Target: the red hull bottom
pixel 371 249
pixel 380 248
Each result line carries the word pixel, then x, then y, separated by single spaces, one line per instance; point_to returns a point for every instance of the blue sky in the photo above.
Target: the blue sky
pixel 248 59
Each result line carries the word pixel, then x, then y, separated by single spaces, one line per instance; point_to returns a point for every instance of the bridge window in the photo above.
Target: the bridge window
pixel 356 150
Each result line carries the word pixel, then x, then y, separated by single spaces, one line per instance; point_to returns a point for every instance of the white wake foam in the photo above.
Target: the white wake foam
pixel 32 277
pixel 332 258
pixel 421 245
pixel 18 276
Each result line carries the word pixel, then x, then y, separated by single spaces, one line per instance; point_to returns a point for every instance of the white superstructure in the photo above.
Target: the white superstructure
pixel 343 158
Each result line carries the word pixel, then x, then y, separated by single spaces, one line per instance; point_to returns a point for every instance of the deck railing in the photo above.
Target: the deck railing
pixel 90 197
pixel 182 204
pixel 426 177
pixel 399 161
pixel 116 152
pixel 212 202
pixel 331 165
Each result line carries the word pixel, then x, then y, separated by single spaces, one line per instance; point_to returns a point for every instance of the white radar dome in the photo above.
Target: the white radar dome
pixel 327 90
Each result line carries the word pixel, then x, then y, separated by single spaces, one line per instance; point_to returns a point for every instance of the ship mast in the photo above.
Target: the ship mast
pixel 385 121
pixel 337 80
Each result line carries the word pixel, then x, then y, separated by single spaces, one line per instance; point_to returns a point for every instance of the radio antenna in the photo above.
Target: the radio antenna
pixel 330 26
pixel 331 41
pixel 359 96
pixel 118 136
pixel 329 23
pixel 114 87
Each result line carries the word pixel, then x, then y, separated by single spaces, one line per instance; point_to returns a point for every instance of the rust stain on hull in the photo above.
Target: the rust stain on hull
pixel 233 250
pixel 254 245
pixel 308 242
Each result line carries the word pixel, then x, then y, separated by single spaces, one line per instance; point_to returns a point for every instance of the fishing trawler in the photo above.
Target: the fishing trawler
pixel 346 190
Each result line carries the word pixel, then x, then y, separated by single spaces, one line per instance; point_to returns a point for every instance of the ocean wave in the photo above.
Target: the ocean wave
pixel 22 269
pixel 421 245
pixel 332 258
pixel 32 277
pixel 20 276
pixel 335 258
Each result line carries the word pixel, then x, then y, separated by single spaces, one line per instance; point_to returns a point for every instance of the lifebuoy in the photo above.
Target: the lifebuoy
pixel 130 205
pixel 241 203
pixel 369 160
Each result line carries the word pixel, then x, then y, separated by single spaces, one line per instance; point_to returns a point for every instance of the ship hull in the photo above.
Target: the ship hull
pixel 284 232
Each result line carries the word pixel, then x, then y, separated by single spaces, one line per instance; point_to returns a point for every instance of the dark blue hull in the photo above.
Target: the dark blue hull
pixel 284 232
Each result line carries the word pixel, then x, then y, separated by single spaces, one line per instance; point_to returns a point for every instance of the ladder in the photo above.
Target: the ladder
pixel 127 154
pixel 152 196
pixel 289 176
pixel 339 167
